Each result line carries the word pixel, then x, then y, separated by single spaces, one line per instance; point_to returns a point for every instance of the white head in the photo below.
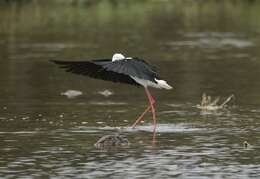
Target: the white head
pixel 117 56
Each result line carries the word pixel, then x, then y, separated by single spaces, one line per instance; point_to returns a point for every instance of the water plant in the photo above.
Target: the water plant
pixel 209 103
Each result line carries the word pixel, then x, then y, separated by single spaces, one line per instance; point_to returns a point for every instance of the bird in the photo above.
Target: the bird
pixel 120 69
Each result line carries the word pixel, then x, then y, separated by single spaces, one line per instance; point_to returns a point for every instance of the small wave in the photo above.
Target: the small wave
pixel 107 103
pixel 164 128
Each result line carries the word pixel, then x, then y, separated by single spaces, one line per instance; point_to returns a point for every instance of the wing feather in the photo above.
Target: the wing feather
pixel 133 67
pixel 95 69
pixel 117 71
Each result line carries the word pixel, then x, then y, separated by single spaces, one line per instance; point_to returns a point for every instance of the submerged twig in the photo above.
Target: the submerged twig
pixel 227 100
pixel 112 141
pixel 208 104
pixel 215 102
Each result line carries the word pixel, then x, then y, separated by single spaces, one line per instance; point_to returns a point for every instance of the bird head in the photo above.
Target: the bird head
pixel 117 56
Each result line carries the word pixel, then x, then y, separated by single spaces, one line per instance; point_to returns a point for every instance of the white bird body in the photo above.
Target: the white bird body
pixel 161 84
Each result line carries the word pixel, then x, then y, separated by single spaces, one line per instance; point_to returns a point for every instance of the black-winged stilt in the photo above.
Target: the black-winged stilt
pixel 134 71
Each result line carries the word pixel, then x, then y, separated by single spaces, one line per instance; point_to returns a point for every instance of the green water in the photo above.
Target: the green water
pixel 198 46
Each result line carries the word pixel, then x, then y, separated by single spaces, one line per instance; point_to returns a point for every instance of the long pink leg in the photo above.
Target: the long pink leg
pixel 150 98
pixel 152 101
pixel 151 106
pixel 141 117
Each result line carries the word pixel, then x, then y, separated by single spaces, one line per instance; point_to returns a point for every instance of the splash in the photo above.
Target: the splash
pixel 71 93
pixel 105 93
pixel 208 103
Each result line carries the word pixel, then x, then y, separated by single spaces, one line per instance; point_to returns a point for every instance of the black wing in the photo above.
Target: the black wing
pixel 95 69
pixel 133 67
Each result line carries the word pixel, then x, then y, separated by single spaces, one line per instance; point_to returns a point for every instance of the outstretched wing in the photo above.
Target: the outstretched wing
pixel 95 69
pixel 134 67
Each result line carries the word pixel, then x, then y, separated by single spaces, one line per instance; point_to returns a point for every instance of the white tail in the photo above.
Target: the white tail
pixel 163 84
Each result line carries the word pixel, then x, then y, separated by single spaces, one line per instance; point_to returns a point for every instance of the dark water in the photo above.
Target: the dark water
pixel 198 46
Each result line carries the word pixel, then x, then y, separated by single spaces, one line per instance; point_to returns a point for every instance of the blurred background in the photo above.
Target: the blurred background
pixel 198 46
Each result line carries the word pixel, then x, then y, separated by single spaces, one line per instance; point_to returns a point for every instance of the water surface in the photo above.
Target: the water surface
pixel 198 46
